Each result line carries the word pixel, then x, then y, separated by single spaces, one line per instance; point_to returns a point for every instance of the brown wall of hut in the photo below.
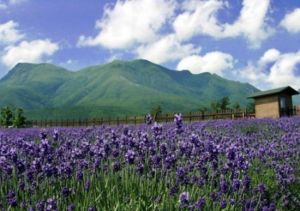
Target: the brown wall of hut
pixel 267 107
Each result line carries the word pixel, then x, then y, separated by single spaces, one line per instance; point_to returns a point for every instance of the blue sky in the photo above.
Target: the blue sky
pixel 255 41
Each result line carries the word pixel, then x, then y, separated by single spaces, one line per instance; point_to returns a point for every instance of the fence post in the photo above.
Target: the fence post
pixel 166 117
pixel 232 116
pixel 135 120
pixel 190 116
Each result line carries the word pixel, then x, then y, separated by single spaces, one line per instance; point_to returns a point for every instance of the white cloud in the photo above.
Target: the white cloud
pixel 252 22
pixel 130 22
pixel 166 49
pixel 34 51
pixel 200 18
pixel 269 56
pixel 13 2
pixel 3 6
pixel 282 71
pixel 9 33
pixel 5 3
pixel 291 21
pixel 213 62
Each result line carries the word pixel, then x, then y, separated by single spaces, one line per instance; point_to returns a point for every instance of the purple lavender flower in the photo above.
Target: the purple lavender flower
pixel 51 204
pixel 236 185
pixel 184 199
pixel 66 192
pixel 148 119
pixel 224 186
pixel 130 156
pixel 246 182
pixel 199 205
pixel 223 204
pixel 87 185
pixel 157 130
pixel 71 207
pixel 178 121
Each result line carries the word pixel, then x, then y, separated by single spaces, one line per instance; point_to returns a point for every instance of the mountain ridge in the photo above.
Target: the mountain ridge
pixel 131 87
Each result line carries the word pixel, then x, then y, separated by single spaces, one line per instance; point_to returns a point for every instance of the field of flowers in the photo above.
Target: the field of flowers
pixel 211 165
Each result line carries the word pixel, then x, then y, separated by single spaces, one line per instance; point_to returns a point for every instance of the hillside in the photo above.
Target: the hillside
pixel 118 88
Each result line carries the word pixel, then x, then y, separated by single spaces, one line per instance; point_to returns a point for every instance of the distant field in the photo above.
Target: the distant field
pixel 208 165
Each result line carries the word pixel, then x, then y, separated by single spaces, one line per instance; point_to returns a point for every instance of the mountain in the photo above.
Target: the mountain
pixel 118 88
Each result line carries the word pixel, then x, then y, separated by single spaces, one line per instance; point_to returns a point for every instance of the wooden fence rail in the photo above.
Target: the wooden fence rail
pixel 169 117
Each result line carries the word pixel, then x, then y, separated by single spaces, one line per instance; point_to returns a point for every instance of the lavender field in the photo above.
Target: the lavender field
pixel 210 165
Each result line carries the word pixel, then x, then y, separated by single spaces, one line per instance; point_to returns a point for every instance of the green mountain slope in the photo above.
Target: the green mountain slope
pixel 114 89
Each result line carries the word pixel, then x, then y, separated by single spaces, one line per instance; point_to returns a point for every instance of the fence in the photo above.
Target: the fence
pixel 187 117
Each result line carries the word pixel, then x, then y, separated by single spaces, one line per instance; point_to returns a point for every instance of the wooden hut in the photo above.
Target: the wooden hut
pixel 274 103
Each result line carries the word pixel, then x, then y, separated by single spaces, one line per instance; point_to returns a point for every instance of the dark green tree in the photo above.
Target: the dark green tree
pixel 6 116
pixel 156 111
pixel 215 105
pixel 19 118
pixel 224 103
pixel 251 107
pixel 203 109
pixel 236 106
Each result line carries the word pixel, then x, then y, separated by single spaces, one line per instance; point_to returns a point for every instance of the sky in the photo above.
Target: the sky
pixel 254 41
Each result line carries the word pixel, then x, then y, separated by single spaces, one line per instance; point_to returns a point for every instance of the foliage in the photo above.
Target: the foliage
pixel 6 117
pixel 221 104
pixel 19 119
pixel 251 107
pixel 224 103
pixel 215 105
pixel 209 165
pixel 156 112
pixel 203 109
pixel 236 106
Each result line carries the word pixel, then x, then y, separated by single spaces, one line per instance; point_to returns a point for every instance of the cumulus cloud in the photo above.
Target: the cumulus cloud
pixel 12 2
pixel 130 22
pixel 269 56
pixel 9 33
pixel 200 18
pixel 282 70
pixel 166 49
pixel 291 21
pixel 3 6
pixel 5 3
pixel 213 62
pixel 33 51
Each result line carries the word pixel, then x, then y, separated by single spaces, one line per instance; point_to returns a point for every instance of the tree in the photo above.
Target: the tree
pixel 156 111
pixel 203 109
pixel 19 118
pixel 6 117
pixel 236 106
pixel 224 103
pixel 215 105
pixel 251 107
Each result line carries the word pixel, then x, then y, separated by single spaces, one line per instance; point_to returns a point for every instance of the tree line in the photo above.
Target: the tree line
pixel 216 105
pixel 225 104
pixel 12 117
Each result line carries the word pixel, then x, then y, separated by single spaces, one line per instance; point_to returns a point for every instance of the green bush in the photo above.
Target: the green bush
pixel 8 118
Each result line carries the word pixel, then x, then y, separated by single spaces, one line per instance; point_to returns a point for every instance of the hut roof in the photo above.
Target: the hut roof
pixel 286 89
